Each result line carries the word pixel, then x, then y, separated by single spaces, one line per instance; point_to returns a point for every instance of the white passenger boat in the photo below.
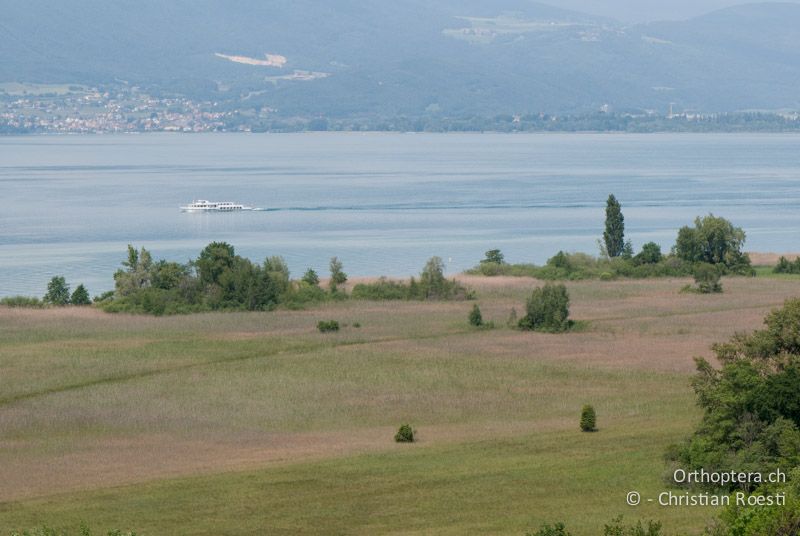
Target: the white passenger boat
pixel 202 205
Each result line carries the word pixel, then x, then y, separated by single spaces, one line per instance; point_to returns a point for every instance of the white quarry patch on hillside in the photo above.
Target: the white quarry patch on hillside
pixel 272 60
pixel 656 40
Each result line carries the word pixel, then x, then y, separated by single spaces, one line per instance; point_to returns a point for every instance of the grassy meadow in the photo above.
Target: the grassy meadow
pixel 256 423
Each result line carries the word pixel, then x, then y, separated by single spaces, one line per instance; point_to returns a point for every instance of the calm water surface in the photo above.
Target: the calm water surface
pixel 383 203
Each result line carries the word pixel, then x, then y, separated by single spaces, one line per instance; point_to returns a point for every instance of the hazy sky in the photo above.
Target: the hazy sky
pixel 647 10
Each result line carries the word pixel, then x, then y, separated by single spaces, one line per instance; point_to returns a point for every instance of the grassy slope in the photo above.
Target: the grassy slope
pixel 227 424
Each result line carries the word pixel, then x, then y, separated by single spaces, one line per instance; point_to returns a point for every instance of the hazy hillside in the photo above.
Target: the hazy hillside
pixel 410 57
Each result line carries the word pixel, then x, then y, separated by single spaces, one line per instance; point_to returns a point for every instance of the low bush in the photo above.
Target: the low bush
pixel 706 278
pixel 432 285
pixel 757 520
pixel 104 297
pixel 785 266
pixel 382 289
pixel 580 266
pixel 547 310
pixel 493 269
pixel 327 326
pixel 617 528
pixel 154 301
pixel 475 316
pixel 559 529
pixel 405 434
pixel 22 301
pixel 303 293
pixel 588 419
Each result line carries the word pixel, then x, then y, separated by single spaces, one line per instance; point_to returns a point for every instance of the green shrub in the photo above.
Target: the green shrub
pixel 490 269
pixel 382 289
pixel 311 277
pixel 579 266
pixel 475 317
pixel 785 266
pixel 105 296
pixel 432 285
pixel 405 434
pixel 327 326
pixel 155 301
pixel 22 301
pixel 650 254
pixel 547 310
pixel 338 277
pixel 559 529
pixel 302 293
pixel 707 278
pixel 588 419
pixel 617 528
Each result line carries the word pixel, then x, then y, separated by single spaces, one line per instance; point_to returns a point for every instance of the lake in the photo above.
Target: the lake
pixel 382 203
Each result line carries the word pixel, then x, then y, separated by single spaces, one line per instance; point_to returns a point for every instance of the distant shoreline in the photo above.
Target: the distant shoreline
pixel 4 135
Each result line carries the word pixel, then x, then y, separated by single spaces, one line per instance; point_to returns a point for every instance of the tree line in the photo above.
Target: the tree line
pixel 220 279
pixel 710 248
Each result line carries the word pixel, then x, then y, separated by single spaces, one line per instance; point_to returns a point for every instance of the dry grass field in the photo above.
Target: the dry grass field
pixel 256 423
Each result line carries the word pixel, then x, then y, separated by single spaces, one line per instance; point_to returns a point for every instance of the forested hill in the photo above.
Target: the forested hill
pixel 412 57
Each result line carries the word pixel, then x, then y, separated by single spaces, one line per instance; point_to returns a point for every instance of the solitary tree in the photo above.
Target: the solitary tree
pixel 614 235
pixel 80 296
pixel 713 240
pixel 338 277
pixel 494 256
pixel 57 291
pixel 432 278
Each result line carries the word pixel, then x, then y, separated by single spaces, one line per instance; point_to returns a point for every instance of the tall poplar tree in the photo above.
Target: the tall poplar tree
pixel 614 235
